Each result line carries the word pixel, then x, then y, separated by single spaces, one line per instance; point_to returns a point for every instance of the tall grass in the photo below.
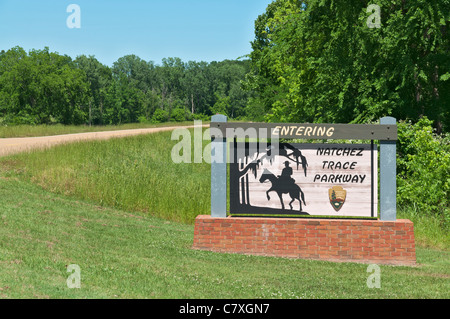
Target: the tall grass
pixel 429 230
pixel 135 174
pixel 138 174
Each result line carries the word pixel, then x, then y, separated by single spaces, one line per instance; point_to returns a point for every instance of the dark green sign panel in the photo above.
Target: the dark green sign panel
pixel 305 131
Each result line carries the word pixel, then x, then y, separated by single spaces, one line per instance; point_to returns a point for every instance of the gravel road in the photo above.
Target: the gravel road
pixel 9 146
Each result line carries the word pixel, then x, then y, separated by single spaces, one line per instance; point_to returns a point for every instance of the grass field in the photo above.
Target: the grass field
pixel 138 174
pixel 133 173
pixel 123 212
pixel 122 254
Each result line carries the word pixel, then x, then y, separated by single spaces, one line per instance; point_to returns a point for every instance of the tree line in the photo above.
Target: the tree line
pixel 311 61
pixel 43 87
pixel 320 61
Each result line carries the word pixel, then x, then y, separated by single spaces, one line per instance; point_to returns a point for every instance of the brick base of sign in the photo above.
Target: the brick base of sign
pixel 362 241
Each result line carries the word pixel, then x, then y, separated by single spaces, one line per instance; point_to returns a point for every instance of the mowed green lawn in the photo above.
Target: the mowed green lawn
pixel 123 212
pixel 132 255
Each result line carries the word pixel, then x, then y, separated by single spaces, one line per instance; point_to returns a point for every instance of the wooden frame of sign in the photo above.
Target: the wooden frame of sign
pixel 314 180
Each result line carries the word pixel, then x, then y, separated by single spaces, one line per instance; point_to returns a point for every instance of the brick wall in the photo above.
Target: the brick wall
pixel 363 241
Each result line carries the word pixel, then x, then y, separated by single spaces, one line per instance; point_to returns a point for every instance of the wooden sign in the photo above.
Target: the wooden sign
pixel 304 131
pixel 304 179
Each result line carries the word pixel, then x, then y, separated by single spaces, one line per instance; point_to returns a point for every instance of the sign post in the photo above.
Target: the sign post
pixel 219 172
pixel 388 175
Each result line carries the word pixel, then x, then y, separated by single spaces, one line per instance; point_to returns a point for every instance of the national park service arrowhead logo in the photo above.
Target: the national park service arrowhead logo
pixel 338 196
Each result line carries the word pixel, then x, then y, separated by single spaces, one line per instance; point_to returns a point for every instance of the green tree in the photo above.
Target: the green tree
pixel 195 86
pixel 424 169
pixel 42 87
pixel 137 83
pixel 225 79
pixel 319 61
pixel 14 81
pixel 222 105
pixel 99 77
pixel 46 87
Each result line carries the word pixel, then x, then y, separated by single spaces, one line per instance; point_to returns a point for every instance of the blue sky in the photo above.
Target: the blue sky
pixel 198 30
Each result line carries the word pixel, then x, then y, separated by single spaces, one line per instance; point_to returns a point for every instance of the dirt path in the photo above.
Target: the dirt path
pixel 9 146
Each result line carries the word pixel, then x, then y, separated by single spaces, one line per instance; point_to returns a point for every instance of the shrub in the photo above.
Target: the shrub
pixel 255 111
pixel 160 116
pixel 424 169
pixel 143 120
pixel 221 106
pixel 178 115
pixel 201 117
pixel 22 118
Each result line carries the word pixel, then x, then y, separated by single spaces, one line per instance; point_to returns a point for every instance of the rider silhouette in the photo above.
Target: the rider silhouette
pixel 286 174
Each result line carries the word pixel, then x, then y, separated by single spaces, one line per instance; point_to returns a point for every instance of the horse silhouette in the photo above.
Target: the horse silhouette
pixel 280 187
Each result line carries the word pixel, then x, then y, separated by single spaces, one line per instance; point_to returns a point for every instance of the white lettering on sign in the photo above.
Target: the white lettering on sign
pixel 303 131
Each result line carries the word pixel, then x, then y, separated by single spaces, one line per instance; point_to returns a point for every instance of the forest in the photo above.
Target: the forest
pixel 44 87
pixel 311 61
pixel 320 61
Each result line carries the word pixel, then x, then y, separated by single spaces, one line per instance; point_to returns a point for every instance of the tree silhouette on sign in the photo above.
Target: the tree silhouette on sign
pixel 295 155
